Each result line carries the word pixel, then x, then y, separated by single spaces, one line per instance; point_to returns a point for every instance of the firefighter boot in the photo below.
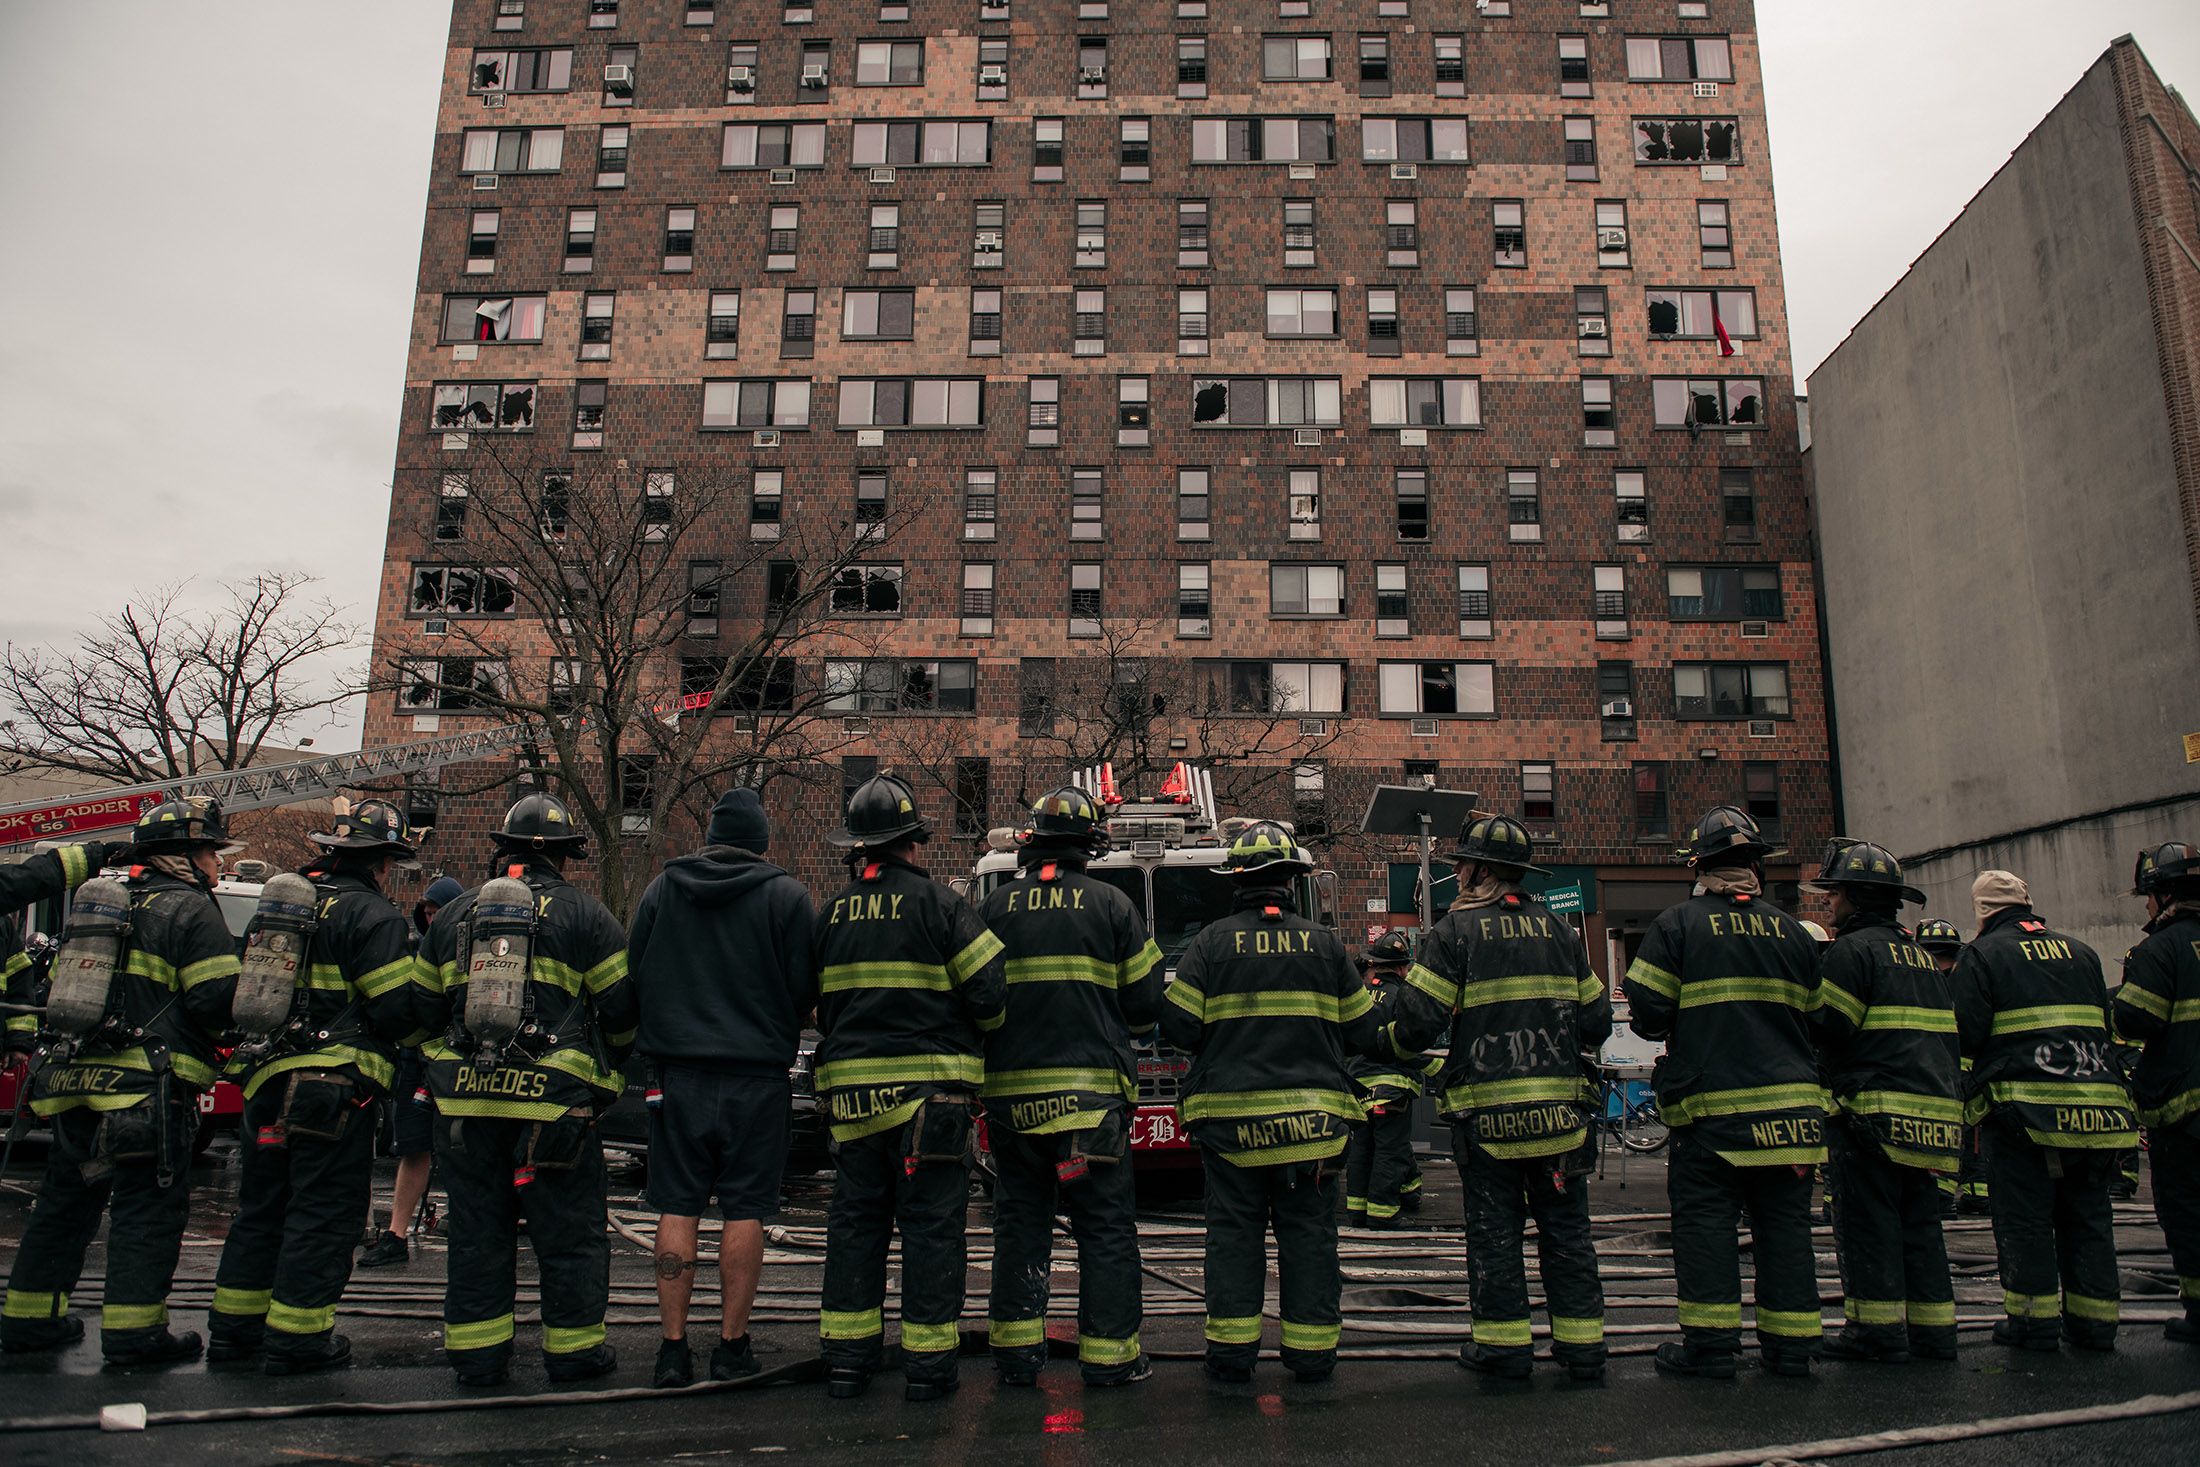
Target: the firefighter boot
pixel 581 1365
pixel 1706 1364
pixel 2185 1330
pixel 1856 1344
pixel 322 1352
pixel 57 1333
pixel 156 1348
pixel 2025 1334
pixel 1502 1364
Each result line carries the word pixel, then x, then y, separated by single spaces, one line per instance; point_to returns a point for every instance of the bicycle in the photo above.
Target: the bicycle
pixel 1627 1107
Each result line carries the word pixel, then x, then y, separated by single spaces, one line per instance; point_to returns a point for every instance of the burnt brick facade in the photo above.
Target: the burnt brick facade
pixel 1608 160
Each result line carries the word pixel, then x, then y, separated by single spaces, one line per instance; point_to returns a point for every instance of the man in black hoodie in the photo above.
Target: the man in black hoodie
pixel 721 953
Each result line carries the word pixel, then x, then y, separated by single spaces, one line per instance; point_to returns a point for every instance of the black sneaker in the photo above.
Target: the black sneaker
pixel 29 1336
pixel 582 1365
pixel 386 1251
pixel 733 1359
pixel 328 1355
pixel 1677 1359
pixel 844 1383
pixel 675 1365
pixel 930 1390
pixel 1138 1370
pixel 1503 1364
pixel 161 1349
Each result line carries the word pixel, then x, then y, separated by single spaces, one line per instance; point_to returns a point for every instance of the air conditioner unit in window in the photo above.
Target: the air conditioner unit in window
pixel 1405 170
pixel 765 438
pixel 1313 728
pixel 619 80
pixel 1618 708
pixel 989 243
pixel 782 176
pixel 1092 76
pixel 1424 728
pixel 1756 629
pixel 813 77
pixel 992 76
pixel 1762 728
pixel 870 437
pixel 1306 437
pixel 741 78
pixel 435 626
pixel 1304 170
pixel 855 725
pixel 1611 241
pixel 1707 89
pixel 492 99
pixel 485 183
pixel 882 175
pixel 1594 326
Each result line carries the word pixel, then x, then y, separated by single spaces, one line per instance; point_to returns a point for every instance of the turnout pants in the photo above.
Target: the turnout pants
pixel 1708 1195
pixel 1379 1171
pixel 299 1210
pixel 1103 1217
pixel 874 1190
pixel 1894 1261
pixel 1500 1197
pixel 1299 1201
pixel 480 1158
pixel 2054 1233
pixel 2176 1153
pixel 143 1241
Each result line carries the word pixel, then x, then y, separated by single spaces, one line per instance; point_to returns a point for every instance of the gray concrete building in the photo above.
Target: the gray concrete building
pixel 2006 454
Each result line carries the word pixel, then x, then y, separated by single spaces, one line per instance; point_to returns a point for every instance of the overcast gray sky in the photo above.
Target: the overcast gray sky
pixel 212 215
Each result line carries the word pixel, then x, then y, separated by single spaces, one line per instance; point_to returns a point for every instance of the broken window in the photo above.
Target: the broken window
pixel 463 590
pixel 1700 315
pixel 555 508
pixel 1268 401
pixel 494 317
pixel 450 507
pixel 889 685
pixel 452 684
pixel 521 71
pixel 489 406
pixel 867 590
pixel 1631 504
pixel 1708 402
pixel 1687 140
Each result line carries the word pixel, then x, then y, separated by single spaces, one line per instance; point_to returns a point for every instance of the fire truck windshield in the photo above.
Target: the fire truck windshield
pixel 1185 899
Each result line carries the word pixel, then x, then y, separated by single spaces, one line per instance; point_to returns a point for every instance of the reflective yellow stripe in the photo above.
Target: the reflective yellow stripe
pixel 1518 988
pixel 930 1339
pixel 1697 994
pixel 1794 1324
pixel 1186 996
pixel 478 1334
pixel 1237 1330
pixel 1382 1210
pixel 1504 1333
pixel 904 1069
pixel 850 1324
pixel 582 1066
pixel 1872 1311
pixel 1841 1001
pixel 1015 1334
pixel 290 1320
pixel 572 1340
pixel 24 1304
pixel 374 1067
pixel 207 970
pixel 142 964
pixel 1310 1336
pixel 2031 1306
pixel 1589 990
pixel 2185 1011
pixel 1098 1350
pixel 1710 1316
pixel 1271 1005
pixel 605 973
pixel 1286 1155
pixel 1932 1314
pixel 1509 1092
pixel 2101 1311
pixel 1911 1016
pixel 2187 1288
pixel 1904 1103
pixel 2059 1092
pixel 1004 1083
pixel 1434 984
pixel 1654 978
pixel 2048 1016
pixel 2172 1110
pixel 1138 965
pixel 1243 1104
pixel 132 1316
pixel 964 966
pixel 845 977
pixel 328 978
pixel 1742 1102
pixel 1577 1331
pixel 245 1302
pixel 75 866
pixel 390 975
pixel 2144 999
pixel 1063 968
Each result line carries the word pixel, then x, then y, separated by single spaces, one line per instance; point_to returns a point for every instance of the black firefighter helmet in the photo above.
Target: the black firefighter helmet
pixel 1939 935
pixel 540 822
pixel 1391 947
pixel 1496 840
pixel 1068 817
pixel 376 825
pixel 1265 851
pixel 882 811
pixel 180 825
pixel 1865 867
pixel 1724 836
pixel 2163 866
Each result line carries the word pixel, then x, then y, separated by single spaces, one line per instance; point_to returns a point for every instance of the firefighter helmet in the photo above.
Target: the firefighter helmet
pixel 2163 866
pixel 1722 832
pixel 375 825
pixel 882 811
pixel 1817 933
pixel 1391 947
pixel 540 822
pixel 1939 935
pixel 1862 866
pixel 1496 840
pixel 1265 848
pixel 1068 817
pixel 180 825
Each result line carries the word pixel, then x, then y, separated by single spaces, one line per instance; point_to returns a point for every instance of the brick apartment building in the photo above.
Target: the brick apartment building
pixel 1352 368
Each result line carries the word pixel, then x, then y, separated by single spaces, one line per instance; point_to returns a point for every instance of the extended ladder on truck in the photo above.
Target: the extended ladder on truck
pixel 257 788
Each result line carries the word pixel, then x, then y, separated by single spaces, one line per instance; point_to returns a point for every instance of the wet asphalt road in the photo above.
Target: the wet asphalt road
pixel 1404 1300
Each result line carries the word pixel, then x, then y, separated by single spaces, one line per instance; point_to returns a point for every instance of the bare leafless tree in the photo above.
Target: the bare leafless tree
pixel 595 606
pixel 162 690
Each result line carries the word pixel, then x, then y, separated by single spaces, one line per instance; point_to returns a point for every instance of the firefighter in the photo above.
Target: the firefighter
pixel 521 986
pixel 309 1088
pixel 2159 1006
pixel 909 982
pixel 1509 987
pixel 2032 1009
pixel 1965 1193
pixel 1060 1080
pixel 411 1128
pixel 1269 1006
pixel 1381 1178
pixel 1886 1029
pixel 44 876
pixel 121 1090
pixel 1729 981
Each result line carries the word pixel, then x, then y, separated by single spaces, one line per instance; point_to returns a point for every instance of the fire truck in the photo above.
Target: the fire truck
pixel 1163 854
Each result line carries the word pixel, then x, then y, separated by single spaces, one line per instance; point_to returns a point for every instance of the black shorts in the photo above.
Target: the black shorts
pixel 719 1134
pixel 411 1121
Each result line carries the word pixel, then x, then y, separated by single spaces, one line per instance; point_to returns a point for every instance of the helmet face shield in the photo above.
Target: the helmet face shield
pixel 1265 849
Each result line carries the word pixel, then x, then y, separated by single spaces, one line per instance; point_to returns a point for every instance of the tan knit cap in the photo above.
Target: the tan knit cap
pixel 1996 891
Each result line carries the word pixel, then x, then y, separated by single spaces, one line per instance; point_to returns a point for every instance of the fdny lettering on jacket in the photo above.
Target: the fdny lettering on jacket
pixel 1508 925
pixel 1263 942
pixel 1746 924
pixel 867 906
pixel 2046 950
pixel 1909 955
pixel 1045 899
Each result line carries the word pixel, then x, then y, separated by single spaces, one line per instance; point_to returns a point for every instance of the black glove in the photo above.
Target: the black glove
pixel 99 854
